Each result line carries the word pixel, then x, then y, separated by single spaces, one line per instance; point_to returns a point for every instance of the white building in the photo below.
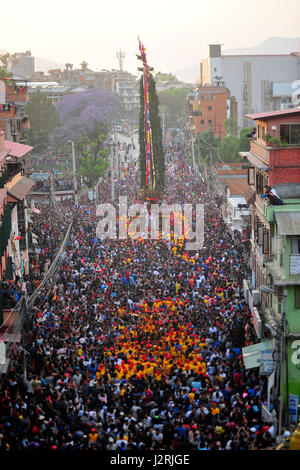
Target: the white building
pixel 254 80
pixel 126 86
pixel 22 64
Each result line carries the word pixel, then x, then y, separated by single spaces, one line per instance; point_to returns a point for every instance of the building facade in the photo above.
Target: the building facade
pixel 275 241
pixel 208 108
pixel 14 97
pixel 250 78
pixel 21 64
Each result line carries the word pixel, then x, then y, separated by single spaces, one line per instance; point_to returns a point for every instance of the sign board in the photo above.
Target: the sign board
pixel 246 290
pixel 293 408
pixel 256 321
pixel 252 354
pixel 293 346
pixel 266 415
pixel 2 352
pixel 271 381
pixel 266 362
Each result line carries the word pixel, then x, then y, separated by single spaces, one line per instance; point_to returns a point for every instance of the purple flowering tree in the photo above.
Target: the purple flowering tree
pixel 86 120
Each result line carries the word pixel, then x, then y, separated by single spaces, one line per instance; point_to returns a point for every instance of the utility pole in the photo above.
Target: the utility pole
pixel 115 150
pixel 112 176
pixel 193 151
pixel 285 355
pixel 283 358
pixel 74 173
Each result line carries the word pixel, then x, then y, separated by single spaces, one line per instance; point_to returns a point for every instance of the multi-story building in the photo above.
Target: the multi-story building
pixel 209 107
pixel 274 161
pixel 52 90
pixel 15 239
pixel 126 87
pixel 250 78
pixel 13 100
pixel 21 64
pixel 230 182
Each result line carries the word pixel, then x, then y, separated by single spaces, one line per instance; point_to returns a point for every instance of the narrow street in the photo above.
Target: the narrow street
pixel 136 344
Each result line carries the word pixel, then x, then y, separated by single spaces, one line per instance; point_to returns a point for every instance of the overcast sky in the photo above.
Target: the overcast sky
pixel 175 33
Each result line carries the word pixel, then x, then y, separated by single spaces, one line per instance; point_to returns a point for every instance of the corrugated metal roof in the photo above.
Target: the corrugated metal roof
pixel 288 223
pixel 15 149
pixel 270 114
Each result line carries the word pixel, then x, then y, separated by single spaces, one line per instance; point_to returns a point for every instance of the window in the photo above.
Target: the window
pixel 297 296
pixel 295 245
pixel 259 184
pixel 209 121
pixel 209 108
pixel 202 121
pixel 290 133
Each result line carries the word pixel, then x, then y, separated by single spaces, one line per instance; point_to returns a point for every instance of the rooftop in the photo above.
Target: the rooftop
pixel 236 186
pixel 270 114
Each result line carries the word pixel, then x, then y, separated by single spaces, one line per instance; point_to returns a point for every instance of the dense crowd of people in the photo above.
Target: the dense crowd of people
pixel 59 184
pixel 136 344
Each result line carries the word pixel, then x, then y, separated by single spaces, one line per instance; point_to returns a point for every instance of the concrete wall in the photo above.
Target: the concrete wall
pixel 265 67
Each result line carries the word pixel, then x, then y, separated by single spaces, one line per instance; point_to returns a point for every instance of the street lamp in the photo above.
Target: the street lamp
pixel 74 173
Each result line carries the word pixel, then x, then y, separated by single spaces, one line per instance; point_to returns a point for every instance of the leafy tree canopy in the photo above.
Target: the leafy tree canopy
pixel 86 114
pixel 231 126
pixel 93 162
pixel 173 105
pixel 43 119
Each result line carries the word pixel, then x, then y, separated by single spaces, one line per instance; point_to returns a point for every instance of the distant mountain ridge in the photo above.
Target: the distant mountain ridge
pixel 274 45
pixel 44 65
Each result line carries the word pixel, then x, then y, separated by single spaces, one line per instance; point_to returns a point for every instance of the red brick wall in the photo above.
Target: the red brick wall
pixel 217 115
pixel 284 165
pixel 275 121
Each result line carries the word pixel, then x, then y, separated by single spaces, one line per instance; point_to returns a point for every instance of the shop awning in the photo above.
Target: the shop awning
pixel 18 188
pixel 256 161
pixel 288 222
pixel 252 354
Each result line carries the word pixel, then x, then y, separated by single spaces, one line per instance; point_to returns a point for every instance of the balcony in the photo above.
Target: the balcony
pixel 269 213
pixel 260 149
pixel 7 112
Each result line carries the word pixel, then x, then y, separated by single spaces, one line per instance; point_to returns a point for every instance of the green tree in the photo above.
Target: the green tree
pixel 231 126
pixel 93 161
pixel 158 150
pixel 173 105
pixel 244 139
pixel 3 72
pixel 43 120
pixel 229 149
pixel 205 146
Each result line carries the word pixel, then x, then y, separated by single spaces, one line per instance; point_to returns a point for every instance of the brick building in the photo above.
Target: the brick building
pixel 208 108
pixel 274 288
pixel 13 100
